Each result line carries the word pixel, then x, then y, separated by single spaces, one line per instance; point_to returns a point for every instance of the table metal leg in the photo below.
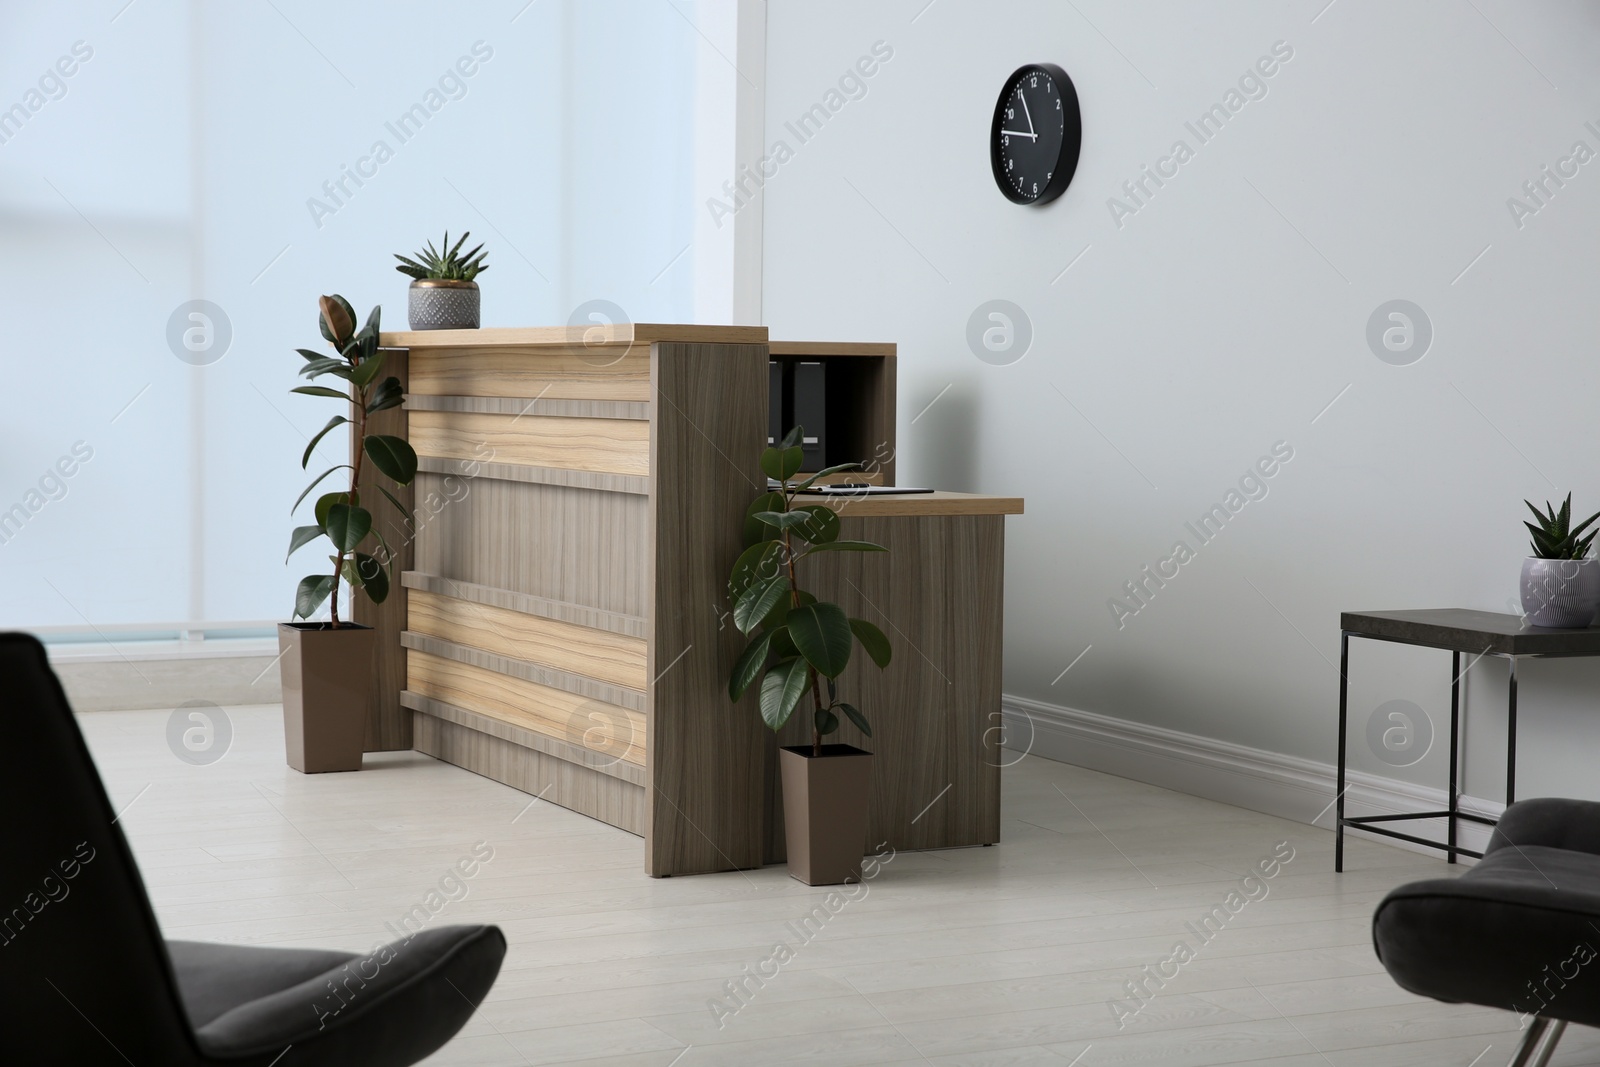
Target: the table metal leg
pixel 1511 735
pixel 1539 1042
pixel 1455 721
pixel 1344 701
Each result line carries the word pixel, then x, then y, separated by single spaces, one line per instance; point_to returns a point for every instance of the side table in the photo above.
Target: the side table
pixel 1480 633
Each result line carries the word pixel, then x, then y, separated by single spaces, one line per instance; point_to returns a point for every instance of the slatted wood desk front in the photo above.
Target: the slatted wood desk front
pixel 563 626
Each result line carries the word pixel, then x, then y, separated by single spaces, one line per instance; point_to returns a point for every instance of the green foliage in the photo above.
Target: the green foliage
pixel 1555 537
pixel 314 589
pixel 337 420
pixel 796 642
pixel 872 641
pixel 339 515
pixel 822 634
pixel 781 690
pixel 393 456
pixel 347 526
pixel 448 266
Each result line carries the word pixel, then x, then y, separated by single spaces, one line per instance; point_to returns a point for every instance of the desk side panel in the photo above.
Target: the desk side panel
pixel 935 710
pixel 388 722
pixel 705 757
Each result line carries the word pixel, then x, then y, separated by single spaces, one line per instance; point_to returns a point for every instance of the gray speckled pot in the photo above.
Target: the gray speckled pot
pixel 1560 593
pixel 435 304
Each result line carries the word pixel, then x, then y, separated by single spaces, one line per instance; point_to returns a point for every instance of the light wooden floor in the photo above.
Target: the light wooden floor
pixel 1004 955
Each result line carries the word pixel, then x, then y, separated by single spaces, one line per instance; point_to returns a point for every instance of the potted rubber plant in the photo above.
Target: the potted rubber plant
pixel 326 667
pixel 798 648
pixel 1560 583
pixel 443 294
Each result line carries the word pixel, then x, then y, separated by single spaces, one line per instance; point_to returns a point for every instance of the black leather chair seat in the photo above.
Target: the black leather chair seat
pixel 1519 931
pixel 381 1008
pixel 214 978
pixel 86 978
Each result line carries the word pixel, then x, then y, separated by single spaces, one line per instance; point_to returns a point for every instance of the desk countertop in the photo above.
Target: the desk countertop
pixel 617 334
pixel 940 503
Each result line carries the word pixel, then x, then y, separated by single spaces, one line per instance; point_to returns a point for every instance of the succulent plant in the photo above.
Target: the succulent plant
pixel 451 266
pixel 1555 537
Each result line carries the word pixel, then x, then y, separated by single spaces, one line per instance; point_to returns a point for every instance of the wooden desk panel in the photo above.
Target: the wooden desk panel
pixel 553 712
pixel 935 710
pixel 705 760
pixel 612 446
pixel 574 545
pixel 621 374
pixel 563 645
pixel 569 618
pixel 388 721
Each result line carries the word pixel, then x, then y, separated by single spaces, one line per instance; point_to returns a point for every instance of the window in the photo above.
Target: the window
pixel 256 156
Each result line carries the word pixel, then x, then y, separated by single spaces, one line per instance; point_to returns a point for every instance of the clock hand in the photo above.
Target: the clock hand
pixel 1026 112
pixel 1020 133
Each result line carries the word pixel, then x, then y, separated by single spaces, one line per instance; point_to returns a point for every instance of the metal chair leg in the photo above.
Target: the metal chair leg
pixel 1539 1043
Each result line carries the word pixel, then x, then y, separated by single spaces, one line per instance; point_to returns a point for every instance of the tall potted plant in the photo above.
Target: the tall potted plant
pixel 1560 584
pixel 327 666
pixel 443 294
pixel 799 646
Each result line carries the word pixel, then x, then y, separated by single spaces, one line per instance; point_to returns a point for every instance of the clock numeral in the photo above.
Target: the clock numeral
pixel 1033 82
pixel 1011 164
pixel 1011 113
pixel 1058 103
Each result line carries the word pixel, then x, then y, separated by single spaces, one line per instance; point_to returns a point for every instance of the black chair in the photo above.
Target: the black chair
pixel 1520 931
pixel 86 979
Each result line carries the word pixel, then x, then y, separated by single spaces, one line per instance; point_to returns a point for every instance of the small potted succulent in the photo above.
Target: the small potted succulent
pixel 443 294
pixel 1560 584
pixel 326 667
pixel 798 648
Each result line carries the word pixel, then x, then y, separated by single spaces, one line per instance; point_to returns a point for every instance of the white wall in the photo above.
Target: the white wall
pixel 1221 318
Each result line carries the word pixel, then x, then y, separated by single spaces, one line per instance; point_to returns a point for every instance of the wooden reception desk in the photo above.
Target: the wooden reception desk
pixel 564 622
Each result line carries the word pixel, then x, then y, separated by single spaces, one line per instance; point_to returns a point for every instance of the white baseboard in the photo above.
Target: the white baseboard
pixel 1270 782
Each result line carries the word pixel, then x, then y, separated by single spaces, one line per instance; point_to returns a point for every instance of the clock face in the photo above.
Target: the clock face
pixel 1036 134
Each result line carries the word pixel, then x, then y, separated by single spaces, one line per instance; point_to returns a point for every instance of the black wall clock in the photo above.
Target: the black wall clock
pixel 1036 134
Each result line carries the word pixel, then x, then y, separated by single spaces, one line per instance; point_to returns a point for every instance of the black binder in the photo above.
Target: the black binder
pixel 775 398
pixel 811 411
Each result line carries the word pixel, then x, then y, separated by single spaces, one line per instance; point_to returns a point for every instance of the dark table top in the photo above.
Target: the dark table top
pixel 1464 630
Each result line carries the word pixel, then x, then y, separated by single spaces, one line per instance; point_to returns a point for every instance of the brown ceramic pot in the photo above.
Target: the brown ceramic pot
pixel 327 678
pixel 825 811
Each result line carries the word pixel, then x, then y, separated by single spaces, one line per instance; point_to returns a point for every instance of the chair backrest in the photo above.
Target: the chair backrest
pixel 84 973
